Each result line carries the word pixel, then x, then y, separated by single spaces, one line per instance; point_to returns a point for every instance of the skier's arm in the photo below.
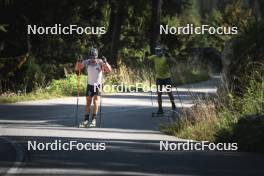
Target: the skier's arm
pixel 148 56
pixel 170 58
pixel 106 66
pixel 79 65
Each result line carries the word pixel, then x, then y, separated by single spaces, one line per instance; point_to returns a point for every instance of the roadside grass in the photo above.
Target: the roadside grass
pixel 184 73
pixel 39 94
pixel 58 88
pixel 194 75
pixel 226 119
pixel 129 76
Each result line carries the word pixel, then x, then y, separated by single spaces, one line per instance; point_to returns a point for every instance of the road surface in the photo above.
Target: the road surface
pixel 131 136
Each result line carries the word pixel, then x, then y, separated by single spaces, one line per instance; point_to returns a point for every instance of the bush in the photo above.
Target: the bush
pixel 231 119
pixel 248 58
pixel 186 72
pixel 249 133
pixel 68 86
pixel 128 74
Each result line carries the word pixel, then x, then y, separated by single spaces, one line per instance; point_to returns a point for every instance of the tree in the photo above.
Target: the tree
pixel 155 24
pixel 118 12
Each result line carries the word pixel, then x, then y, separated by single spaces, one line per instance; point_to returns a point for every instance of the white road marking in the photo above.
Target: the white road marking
pixel 19 157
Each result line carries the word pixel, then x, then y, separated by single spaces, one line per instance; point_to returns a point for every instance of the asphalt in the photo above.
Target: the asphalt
pixel 8 155
pixel 129 132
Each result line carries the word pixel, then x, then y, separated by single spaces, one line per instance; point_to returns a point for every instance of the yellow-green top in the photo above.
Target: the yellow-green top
pixel 161 66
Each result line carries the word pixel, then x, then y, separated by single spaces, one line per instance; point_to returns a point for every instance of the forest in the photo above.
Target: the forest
pixel 32 63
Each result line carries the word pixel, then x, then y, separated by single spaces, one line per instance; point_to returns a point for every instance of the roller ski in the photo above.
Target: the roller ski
pixel 84 124
pixel 161 113
pixel 93 124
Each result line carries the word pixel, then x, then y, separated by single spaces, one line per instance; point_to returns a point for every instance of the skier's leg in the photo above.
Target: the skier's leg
pixel 85 122
pixel 160 100
pixel 169 92
pixel 172 100
pixel 96 100
pixel 88 107
pixel 159 92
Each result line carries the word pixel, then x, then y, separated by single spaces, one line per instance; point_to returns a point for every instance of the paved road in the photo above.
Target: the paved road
pixel 131 136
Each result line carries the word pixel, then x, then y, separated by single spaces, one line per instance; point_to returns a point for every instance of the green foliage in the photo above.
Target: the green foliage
pixel 248 133
pixel 133 37
pixel 37 94
pixel 238 120
pixel 33 76
pixel 53 52
pixel 248 58
pixel 47 52
pixel 178 43
pixel 235 14
pixel 68 85
pixel 184 73
pixel 126 75
pixel 3 28
pixel 252 102
pixel 213 19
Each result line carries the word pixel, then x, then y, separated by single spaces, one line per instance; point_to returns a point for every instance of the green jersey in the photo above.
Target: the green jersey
pixel 161 66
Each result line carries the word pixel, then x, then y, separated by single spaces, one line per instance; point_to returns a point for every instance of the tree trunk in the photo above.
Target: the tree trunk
pixel 155 24
pixel 261 7
pixel 114 31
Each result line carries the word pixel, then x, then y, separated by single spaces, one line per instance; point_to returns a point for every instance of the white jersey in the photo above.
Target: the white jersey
pixel 94 71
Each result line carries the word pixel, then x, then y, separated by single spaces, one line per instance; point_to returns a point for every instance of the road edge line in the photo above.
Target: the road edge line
pixel 20 156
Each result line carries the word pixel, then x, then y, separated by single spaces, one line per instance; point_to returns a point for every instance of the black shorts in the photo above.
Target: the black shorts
pixel 163 82
pixel 92 90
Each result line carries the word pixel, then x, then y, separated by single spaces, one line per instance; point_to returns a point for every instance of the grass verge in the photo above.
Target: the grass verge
pixel 39 94
pixel 182 73
pixel 228 119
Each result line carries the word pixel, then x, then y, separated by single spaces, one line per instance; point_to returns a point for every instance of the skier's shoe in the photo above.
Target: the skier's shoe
pixel 84 124
pixel 160 111
pixel 173 107
pixel 93 123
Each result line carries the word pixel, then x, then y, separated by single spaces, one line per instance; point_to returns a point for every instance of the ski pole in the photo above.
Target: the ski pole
pixel 101 99
pixel 151 93
pixel 78 94
pixel 179 97
pixel 150 84
pixel 175 85
pixel 100 116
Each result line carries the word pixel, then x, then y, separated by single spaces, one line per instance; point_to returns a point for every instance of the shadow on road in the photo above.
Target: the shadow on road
pixel 135 157
pixel 124 114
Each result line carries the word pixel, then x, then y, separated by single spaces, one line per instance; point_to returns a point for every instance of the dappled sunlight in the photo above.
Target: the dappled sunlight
pixel 91 133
